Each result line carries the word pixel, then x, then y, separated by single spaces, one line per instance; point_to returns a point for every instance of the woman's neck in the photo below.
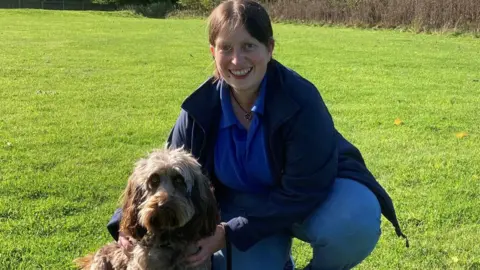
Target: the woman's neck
pixel 246 99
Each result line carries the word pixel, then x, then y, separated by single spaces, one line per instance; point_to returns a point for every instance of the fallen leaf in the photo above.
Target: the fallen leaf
pixel 461 135
pixel 398 122
pixel 40 92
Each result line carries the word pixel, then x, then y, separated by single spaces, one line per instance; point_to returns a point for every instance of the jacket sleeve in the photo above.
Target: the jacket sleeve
pixel 309 170
pixel 175 139
pixel 113 225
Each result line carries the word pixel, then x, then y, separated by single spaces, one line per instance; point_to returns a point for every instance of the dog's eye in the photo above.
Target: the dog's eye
pixel 154 179
pixel 178 180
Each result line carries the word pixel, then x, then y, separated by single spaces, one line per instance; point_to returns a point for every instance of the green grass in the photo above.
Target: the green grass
pixel 83 95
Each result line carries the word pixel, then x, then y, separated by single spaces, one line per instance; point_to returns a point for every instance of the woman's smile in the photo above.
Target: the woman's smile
pixel 240 73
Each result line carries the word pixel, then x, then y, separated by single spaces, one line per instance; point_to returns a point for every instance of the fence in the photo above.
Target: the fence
pixel 57 4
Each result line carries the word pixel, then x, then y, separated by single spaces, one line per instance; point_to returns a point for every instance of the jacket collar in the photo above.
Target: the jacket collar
pixel 204 104
pixel 279 105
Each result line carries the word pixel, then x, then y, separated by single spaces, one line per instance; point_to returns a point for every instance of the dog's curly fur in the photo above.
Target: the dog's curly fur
pixel 168 197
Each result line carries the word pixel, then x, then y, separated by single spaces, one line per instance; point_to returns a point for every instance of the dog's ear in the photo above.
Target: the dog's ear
pixel 206 217
pixel 131 198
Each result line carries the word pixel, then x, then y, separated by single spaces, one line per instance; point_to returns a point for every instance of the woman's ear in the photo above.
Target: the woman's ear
pixel 271 46
pixel 212 51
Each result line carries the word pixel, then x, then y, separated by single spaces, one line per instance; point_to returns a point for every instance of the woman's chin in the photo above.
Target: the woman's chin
pixel 241 85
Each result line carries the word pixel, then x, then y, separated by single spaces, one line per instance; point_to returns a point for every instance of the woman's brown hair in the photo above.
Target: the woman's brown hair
pixel 233 13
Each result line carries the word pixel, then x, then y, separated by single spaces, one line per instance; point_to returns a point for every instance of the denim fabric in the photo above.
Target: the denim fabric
pixel 343 231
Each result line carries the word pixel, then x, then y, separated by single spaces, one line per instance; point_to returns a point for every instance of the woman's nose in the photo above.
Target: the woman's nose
pixel 237 57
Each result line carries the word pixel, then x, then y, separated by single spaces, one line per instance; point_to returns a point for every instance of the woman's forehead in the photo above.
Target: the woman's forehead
pixel 237 34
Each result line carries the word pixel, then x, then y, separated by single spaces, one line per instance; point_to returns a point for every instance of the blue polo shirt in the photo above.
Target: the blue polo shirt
pixel 241 161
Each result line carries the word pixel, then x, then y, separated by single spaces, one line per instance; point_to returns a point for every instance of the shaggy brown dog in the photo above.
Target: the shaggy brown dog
pixel 168 196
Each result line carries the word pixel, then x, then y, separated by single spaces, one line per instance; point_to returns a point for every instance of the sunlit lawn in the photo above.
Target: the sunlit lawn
pixel 83 95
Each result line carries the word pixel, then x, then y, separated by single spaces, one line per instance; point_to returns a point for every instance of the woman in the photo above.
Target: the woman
pixel 280 169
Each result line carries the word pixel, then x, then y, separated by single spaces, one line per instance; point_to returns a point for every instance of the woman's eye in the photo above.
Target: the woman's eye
pixel 249 46
pixel 225 48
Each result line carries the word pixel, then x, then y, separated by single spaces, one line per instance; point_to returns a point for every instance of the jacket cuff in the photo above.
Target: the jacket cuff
pixel 236 233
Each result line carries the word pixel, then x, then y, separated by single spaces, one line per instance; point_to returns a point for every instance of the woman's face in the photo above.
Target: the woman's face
pixel 241 59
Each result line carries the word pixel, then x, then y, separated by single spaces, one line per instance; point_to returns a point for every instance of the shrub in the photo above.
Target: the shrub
pixel 199 5
pixel 153 10
pixel 423 15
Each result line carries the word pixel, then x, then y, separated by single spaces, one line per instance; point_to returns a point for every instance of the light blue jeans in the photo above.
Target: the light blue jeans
pixel 343 231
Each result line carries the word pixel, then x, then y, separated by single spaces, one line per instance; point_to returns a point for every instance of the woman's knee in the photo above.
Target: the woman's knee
pixel 348 233
pixel 351 205
pixel 346 226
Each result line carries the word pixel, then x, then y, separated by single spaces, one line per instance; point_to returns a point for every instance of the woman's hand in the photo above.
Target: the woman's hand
pixel 125 241
pixel 208 246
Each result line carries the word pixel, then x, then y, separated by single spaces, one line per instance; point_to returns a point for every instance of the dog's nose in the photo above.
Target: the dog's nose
pixel 162 198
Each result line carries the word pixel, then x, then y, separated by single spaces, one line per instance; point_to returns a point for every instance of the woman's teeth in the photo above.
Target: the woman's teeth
pixel 241 72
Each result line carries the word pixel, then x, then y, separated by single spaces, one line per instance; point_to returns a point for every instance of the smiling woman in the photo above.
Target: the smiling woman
pixel 280 169
pixel 242 45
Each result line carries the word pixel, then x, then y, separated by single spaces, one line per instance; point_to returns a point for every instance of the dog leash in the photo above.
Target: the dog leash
pixel 229 255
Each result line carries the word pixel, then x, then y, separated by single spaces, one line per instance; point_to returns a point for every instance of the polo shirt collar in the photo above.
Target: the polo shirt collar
pixel 229 117
pixel 259 105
